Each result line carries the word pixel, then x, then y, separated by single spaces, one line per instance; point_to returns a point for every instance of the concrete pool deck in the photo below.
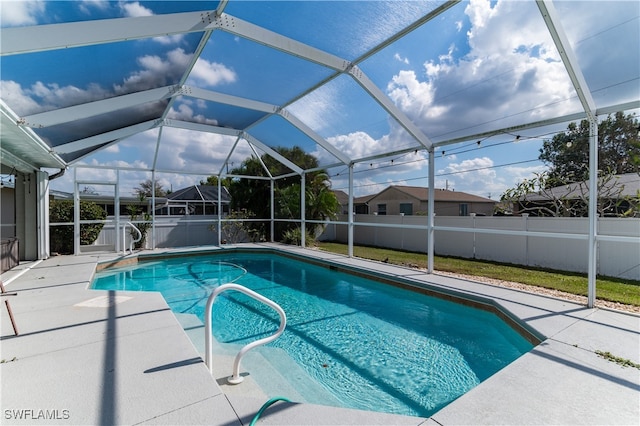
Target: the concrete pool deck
pixel 103 357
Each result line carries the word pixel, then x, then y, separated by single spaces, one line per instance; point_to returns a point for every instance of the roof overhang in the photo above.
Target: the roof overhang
pixel 21 149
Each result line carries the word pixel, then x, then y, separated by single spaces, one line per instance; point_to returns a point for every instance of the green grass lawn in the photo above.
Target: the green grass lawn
pixel 612 289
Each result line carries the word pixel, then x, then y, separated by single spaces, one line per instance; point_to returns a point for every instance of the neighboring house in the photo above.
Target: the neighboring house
pixel 413 200
pixel 618 195
pixel 195 200
pixel 343 200
pixel 359 203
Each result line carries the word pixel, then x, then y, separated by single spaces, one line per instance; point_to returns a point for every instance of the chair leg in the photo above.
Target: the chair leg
pixel 13 321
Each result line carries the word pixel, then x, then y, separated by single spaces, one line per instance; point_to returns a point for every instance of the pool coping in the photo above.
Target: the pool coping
pixel 562 380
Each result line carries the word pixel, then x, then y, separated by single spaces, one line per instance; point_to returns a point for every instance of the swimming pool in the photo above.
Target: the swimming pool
pixel 372 345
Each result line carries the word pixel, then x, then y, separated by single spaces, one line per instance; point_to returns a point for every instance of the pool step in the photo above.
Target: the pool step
pixel 264 365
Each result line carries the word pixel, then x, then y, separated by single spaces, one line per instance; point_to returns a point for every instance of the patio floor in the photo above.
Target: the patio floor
pixel 104 357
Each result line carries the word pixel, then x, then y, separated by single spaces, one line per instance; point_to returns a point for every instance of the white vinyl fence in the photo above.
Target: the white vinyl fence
pixel 478 237
pixel 171 231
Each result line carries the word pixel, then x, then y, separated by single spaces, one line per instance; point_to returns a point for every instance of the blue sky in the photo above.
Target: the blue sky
pixel 480 66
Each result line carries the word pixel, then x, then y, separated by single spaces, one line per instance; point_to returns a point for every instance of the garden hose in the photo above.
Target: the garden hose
pixel 265 406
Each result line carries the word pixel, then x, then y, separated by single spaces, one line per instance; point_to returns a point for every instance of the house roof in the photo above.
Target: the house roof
pixel 442 195
pixel 200 193
pixel 341 196
pixel 613 187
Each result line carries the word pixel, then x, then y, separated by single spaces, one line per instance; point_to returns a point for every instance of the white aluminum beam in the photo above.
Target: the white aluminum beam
pixel 277 41
pixel 103 106
pixel 18 163
pixel 105 137
pixel 253 141
pixel 431 235
pixel 199 127
pixel 74 34
pixel 542 123
pixel 569 59
pixel 259 158
pixel 313 135
pixel 222 98
pixel 389 106
pixel 226 160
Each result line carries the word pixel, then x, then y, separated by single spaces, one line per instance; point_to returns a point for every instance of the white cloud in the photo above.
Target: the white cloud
pixel 42 97
pixel 172 39
pixel 155 71
pixel 16 97
pixel 474 175
pixel 212 73
pixel 186 113
pixel 399 58
pixel 112 149
pixel 512 67
pixel 16 13
pixel 86 6
pixel 197 151
pixel 480 176
pixel 134 9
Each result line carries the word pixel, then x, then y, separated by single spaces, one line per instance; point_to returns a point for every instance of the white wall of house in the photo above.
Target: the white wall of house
pixel 32 215
pixel 615 258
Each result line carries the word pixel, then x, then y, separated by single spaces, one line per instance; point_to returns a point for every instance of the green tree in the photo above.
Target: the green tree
pixel 534 196
pixel 567 153
pixel 147 188
pixel 61 211
pixel 213 181
pixel 254 194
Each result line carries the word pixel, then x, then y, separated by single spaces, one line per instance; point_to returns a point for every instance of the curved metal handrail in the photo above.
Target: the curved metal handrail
pixel 133 241
pixel 236 378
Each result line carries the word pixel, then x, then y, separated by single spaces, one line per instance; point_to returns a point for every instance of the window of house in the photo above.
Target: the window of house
pixel 406 208
pixel 464 209
pixel 382 209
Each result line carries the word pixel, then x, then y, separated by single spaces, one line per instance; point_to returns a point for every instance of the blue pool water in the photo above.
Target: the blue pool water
pixel 374 346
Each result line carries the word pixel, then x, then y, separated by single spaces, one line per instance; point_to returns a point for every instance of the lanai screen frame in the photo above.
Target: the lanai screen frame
pixel 18 40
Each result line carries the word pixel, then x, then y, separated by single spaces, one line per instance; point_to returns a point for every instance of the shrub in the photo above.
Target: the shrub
pixel 62 236
pixel 294 236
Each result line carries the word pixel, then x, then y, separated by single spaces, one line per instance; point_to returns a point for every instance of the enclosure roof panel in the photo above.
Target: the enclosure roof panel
pixel 210 84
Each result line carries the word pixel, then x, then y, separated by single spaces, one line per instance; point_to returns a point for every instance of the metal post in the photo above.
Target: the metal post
pixel 153 210
pixel 219 211
pixel 116 212
pixel 430 211
pixel 593 211
pixel 273 214
pixel 76 213
pixel 303 212
pixel 350 213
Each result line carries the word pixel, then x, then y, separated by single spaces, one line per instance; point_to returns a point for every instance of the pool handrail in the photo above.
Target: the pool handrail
pixel 235 378
pixel 133 241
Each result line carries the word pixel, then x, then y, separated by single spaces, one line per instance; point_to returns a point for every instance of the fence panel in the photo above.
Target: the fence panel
pixel 615 258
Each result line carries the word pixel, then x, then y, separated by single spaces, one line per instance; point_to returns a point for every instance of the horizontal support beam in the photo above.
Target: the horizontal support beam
pixel 75 34
pixel 200 127
pixel 222 98
pixel 103 138
pixel 103 106
pixel 277 41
